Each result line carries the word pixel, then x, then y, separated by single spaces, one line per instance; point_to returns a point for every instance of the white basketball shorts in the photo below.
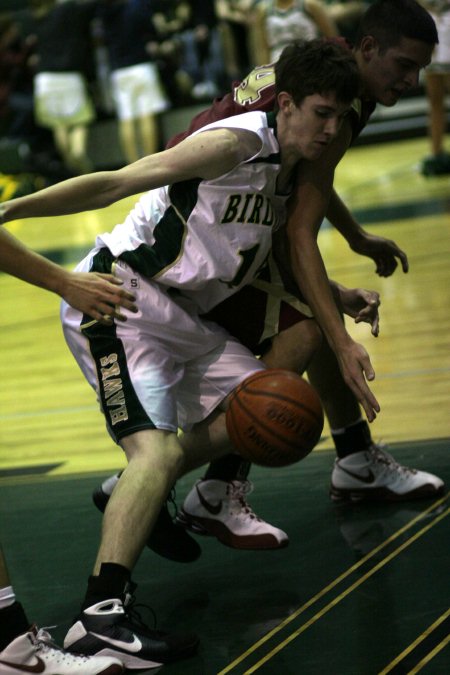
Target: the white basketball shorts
pixel 62 99
pixel 165 367
pixel 440 62
pixel 138 92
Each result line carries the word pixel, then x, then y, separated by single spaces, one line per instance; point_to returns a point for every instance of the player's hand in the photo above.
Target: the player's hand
pixel 362 305
pixel 98 295
pixel 383 252
pixel 357 370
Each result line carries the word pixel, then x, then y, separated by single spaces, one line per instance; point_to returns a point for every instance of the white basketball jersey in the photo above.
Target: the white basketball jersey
pixel 285 25
pixel 207 238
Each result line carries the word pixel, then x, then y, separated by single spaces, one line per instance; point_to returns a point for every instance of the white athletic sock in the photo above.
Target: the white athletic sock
pixel 7 597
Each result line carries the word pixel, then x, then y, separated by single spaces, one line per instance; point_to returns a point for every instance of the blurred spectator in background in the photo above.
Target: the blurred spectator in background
pixel 136 87
pixel 437 82
pixel 234 19
pixel 276 23
pixel 203 54
pixel 170 18
pixel 16 81
pixel 64 65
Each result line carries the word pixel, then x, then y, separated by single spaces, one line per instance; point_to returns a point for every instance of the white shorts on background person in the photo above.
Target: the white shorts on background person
pixel 165 367
pixel 137 91
pixel 440 61
pixel 62 98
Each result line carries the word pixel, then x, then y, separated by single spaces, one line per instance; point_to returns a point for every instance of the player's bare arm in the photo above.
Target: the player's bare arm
pixel 206 155
pixel 319 12
pixel 310 273
pixel 383 252
pixel 98 295
pixel 307 208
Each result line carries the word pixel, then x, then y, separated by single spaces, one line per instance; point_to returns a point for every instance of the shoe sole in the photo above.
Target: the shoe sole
pixel 384 495
pixel 134 662
pixel 108 644
pixel 215 528
pixel 129 662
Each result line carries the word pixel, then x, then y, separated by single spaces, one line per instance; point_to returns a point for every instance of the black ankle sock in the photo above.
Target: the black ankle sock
pixel 230 467
pixel 13 622
pixel 354 438
pixel 110 583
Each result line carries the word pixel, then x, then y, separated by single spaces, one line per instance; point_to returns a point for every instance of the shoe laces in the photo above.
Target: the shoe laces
pixel 43 639
pixel 237 490
pixel 44 643
pixel 172 501
pixel 379 456
pixel 131 608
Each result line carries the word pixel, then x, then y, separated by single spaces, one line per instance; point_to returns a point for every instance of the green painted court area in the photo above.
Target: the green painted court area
pixel 361 589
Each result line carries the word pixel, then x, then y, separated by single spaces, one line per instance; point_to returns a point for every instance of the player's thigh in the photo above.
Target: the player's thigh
pixel 209 379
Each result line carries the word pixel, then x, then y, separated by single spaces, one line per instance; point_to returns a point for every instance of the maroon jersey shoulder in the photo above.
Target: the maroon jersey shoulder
pixel 257 92
pixel 220 108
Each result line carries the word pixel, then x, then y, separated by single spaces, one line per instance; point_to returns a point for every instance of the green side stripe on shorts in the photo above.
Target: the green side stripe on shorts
pixel 123 411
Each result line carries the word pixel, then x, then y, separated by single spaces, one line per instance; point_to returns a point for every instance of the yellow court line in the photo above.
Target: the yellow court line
pixel 344 594
pixel 330 586
pixel 414 644
pixel 430 656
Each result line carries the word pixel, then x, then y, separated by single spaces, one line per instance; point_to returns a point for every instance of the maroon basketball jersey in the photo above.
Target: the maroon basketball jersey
pixel 257 92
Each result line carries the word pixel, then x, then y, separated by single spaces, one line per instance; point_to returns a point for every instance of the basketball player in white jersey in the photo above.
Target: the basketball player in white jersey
pixel 395 41
pixel 202 231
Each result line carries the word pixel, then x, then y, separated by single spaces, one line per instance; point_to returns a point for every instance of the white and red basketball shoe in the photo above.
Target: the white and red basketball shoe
pixel 220 509
pixel 375 475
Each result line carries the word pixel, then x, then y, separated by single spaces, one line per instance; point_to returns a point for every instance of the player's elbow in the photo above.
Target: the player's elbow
pixel 228 146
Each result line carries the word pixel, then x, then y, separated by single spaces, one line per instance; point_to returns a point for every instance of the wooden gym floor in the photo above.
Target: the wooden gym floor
pixel 361 590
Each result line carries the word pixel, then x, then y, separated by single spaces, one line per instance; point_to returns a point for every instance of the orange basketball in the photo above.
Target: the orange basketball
pixel 274 418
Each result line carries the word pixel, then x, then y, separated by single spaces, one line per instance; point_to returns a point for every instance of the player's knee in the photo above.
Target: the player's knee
pixel 154 449
pixel 303 336
pixel 312 335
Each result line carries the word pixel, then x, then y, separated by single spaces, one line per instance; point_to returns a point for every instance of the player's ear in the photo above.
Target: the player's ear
pixel 285 102
pixel 368 47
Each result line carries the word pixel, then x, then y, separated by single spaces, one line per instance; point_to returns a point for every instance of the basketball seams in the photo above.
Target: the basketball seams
pixel 265 427
pixel 282 397
pixel 274 418
pixel 262 375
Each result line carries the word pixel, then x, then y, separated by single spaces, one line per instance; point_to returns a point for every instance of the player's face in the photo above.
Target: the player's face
pixel 314 124
pixel 389 74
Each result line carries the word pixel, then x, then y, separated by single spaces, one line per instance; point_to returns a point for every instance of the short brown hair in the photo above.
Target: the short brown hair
pixel 388 21
pixel 317 67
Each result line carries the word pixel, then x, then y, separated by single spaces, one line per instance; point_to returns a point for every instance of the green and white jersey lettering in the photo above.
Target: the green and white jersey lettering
pixel 208 238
